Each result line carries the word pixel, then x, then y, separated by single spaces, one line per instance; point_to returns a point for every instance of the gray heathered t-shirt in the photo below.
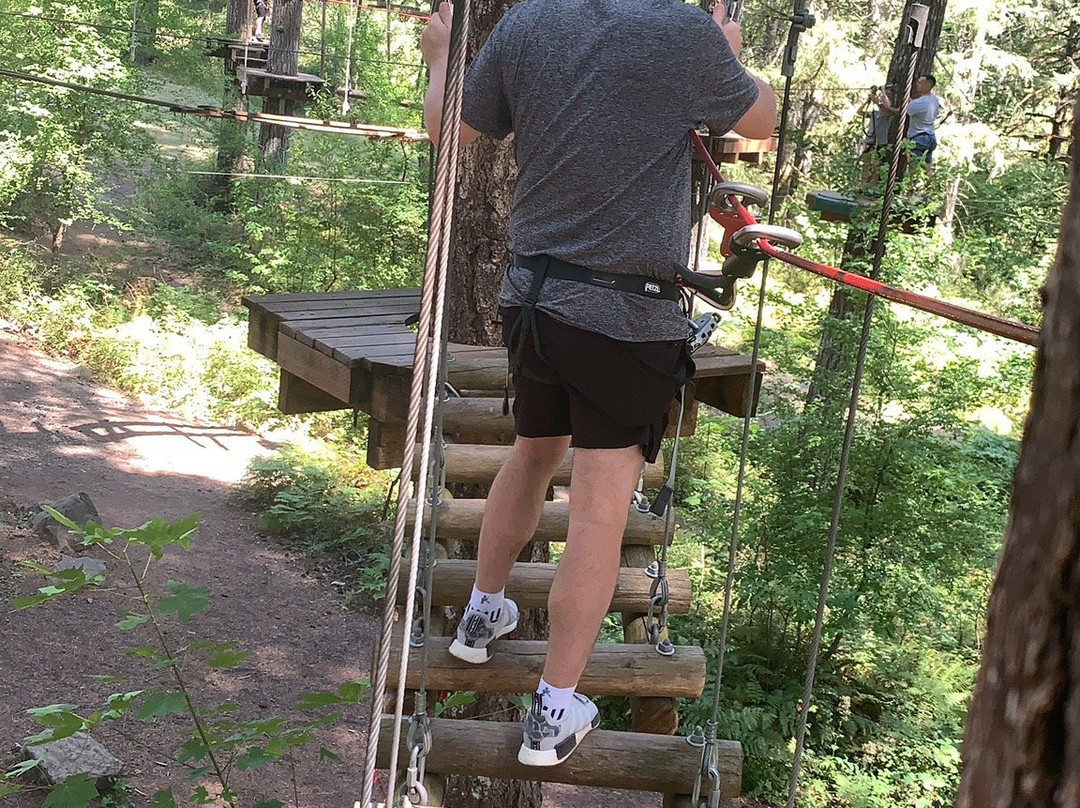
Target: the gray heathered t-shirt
pixel 600 96
pixel 922 112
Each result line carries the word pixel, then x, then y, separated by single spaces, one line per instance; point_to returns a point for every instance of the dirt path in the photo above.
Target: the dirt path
pixel 60 434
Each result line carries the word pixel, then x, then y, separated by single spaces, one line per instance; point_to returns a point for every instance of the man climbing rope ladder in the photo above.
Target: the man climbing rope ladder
pixel 600 95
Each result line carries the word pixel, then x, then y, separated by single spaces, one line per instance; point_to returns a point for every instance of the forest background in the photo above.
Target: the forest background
pixel 942 405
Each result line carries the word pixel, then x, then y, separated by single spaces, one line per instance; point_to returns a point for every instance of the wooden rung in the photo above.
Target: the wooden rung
pixel 529 585
pixel 460 519
pixel 515 667
pixel 470 464
pixel 607 759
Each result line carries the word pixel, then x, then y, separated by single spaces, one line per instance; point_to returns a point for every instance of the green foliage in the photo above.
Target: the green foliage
pixel 331 506
pixel 217 745
pixel 52 139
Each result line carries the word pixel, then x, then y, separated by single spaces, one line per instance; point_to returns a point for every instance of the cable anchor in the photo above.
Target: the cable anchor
pixel 659 593
pixel 413 790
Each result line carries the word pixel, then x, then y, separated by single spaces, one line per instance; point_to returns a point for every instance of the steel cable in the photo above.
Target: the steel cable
pixel 427 356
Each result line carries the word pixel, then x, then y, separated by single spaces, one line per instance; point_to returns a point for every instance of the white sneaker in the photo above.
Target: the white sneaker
pixel 547 739
pixel 476 631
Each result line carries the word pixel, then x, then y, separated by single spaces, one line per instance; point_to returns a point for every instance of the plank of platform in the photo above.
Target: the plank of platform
pixel 516 666
pixel 470 464
pixel 529 584
pixel 459 519
pixel 627 760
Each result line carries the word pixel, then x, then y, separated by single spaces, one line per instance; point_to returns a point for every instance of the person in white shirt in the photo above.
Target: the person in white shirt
pixel 922 113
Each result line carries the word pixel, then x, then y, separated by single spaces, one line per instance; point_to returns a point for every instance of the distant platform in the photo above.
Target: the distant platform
pixel 837 207
pixel 732 148
pixel 261 82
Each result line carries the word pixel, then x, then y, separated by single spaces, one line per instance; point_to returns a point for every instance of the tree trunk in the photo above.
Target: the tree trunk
pixel 283 59
pixel 238 19
pixel 478 259
pixel 1023 732
pixel 146 23
pixel 232 135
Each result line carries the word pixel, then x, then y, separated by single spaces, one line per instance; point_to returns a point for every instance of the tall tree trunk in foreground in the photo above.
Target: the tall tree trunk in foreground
pixel 478 259
pixel 283 59
pixel 1022 742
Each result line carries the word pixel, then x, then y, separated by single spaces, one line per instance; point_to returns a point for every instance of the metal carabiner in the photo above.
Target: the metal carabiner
pixel 659 591
pixel 414 785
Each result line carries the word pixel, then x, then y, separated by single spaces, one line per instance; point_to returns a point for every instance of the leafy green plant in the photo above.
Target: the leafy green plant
pixel 332 507
pixel 217 745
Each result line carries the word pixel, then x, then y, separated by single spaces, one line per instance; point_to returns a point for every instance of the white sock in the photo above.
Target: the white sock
pixel 490 603
pixel 556 700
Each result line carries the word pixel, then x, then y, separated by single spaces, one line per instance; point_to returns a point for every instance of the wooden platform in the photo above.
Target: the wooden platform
pixel 344 350
pixel 732 148
pixel 259 81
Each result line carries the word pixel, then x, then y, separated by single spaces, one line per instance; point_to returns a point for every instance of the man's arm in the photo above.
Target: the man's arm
pixel 435 47
pixel 759 121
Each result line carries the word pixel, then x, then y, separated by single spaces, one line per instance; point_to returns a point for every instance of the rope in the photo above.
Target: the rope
pixel 428 341
pixel 849 436
pixel 291 121
pixel 351 25
pixel 751 390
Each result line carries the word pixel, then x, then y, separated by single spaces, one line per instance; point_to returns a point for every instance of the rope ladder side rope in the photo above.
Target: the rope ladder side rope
pixel 428 358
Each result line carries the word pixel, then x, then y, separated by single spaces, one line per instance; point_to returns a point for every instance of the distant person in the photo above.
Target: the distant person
pixel 262 8
pixel 875 144
pixel 923 110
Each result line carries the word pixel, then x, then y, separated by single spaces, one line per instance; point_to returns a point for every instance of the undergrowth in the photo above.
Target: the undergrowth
pixel 330 506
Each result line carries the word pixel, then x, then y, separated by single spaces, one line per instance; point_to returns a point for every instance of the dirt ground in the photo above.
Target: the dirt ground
pixel 60 434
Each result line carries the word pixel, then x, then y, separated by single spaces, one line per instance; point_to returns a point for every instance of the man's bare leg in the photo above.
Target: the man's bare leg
pixel 514 505
pixel 600 490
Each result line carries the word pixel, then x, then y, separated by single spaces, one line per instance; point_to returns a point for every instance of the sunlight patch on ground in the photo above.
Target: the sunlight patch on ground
pixel 995 420
pixel 179 143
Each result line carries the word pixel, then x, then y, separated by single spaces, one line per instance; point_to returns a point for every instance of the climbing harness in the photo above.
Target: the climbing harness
pixel 427 388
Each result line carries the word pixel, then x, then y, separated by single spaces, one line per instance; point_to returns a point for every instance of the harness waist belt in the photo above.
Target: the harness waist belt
pixel 565 271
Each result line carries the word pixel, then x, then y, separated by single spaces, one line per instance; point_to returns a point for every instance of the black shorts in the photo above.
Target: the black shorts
pixel 605 393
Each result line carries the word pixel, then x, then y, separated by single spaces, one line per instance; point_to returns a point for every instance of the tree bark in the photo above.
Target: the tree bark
pixel 283 59
pixel 1023 732
pixel 238 19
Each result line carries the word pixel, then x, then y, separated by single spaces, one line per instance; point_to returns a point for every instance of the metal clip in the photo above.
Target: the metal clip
pixel 659 591
pixel 413 790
